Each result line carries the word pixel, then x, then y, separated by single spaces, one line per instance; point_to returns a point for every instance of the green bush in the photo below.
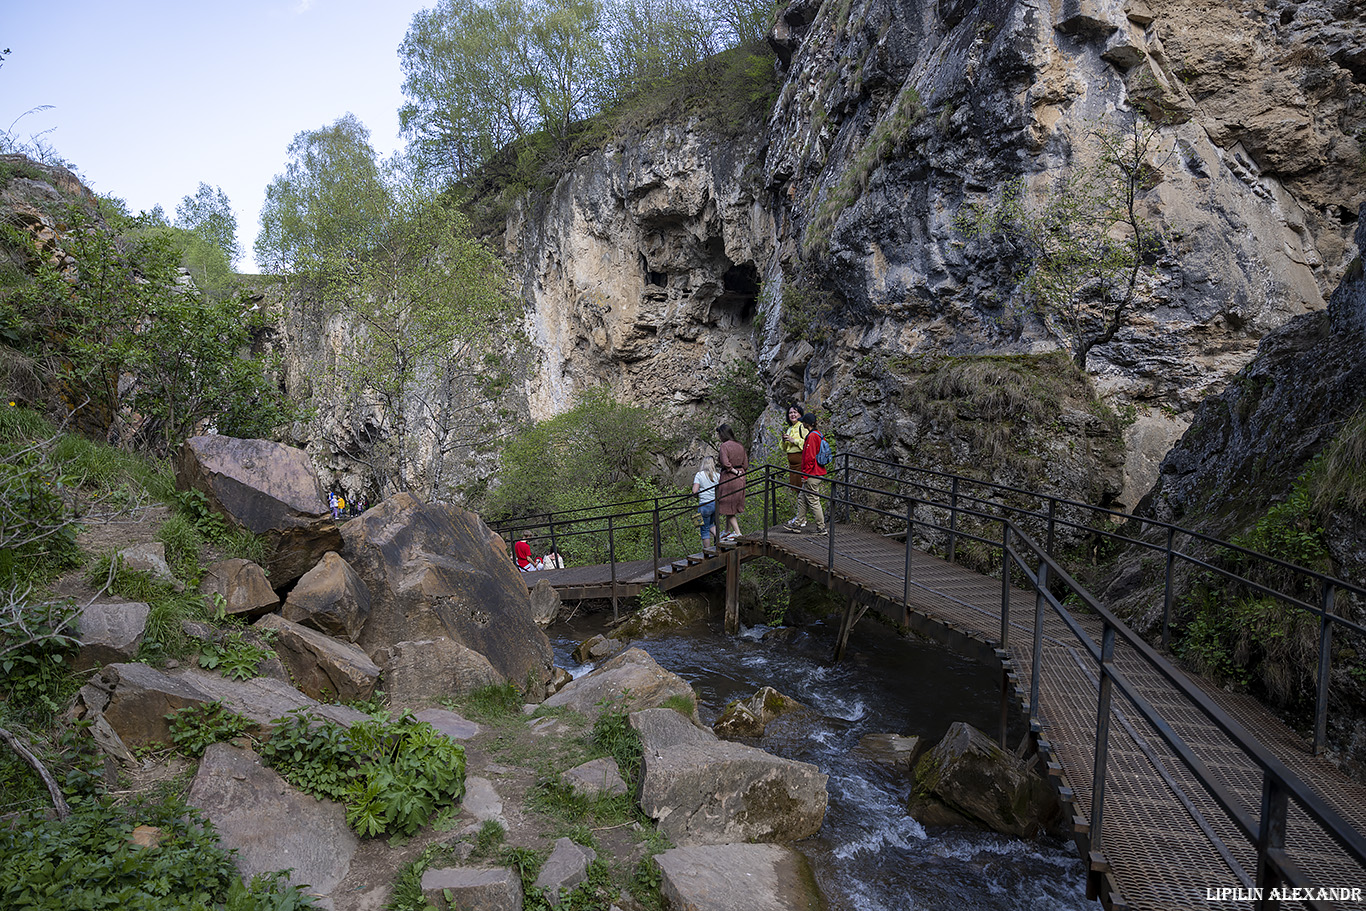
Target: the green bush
pixel 612 732
pixel 88 861
pixel 392 775
pixel 234 657
pixel 196 727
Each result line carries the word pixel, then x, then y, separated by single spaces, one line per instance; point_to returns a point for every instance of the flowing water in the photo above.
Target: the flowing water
pixel 869 855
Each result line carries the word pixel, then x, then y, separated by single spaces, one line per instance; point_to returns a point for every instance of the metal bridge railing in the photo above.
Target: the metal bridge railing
pixel 954 509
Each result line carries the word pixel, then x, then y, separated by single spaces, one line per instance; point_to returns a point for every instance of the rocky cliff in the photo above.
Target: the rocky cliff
pixel 822 242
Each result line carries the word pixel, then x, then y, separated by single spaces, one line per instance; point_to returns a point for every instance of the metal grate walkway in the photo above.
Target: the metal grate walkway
pixel 1166 844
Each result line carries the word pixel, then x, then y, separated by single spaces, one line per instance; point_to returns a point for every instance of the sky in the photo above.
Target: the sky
pixel 149 98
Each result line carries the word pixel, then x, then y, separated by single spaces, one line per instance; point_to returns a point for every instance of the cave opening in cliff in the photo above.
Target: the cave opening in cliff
pixel 740 291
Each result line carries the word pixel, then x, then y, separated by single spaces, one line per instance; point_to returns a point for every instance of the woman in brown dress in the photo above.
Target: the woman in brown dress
pixel 730 493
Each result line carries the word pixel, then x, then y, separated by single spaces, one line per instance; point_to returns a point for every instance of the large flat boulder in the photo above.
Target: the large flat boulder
pixel 270 825
pixel 473 888
pixel 634 670
pixel 322 667
pixel 267 488
pixel 434 570
pixel 705 791
pixel 738 878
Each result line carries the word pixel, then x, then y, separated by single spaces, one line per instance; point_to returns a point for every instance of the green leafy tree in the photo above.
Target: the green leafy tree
pixel 1081 242
pixel 209 214
pixel 130 349
pixel 650 42
pixel 433 340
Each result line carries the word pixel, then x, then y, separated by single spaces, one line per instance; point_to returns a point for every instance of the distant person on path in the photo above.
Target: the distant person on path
pixel 813 471
pixel 704 485
pixel 730 493
pixel 332 504
pixel 794 437
pixel 521 552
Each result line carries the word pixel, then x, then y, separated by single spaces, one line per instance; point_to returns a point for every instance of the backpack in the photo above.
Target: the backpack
pixel 824 455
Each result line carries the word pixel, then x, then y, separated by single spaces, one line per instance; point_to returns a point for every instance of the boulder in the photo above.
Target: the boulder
pixel 596 778
pixel 738 877
pixel 110 632
pixel 969 773
pixel 267 488
pixel 150 558
pixel 566 867
pixel 135 699
pixel 322 667
pixel 435 570
pixel 649 684
pixel 749 717
pixel 268 824
pixel 705 791
pixel 473 888
pixel 545 603
pixel 559 679
pixel 265 699
pixel 893 750
pixel 425 672
pixel 662 617
pixel 595 648
pixel 449 723
pixel 242 585
pixel 331 598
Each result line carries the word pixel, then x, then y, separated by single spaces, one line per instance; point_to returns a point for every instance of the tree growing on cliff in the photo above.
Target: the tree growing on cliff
pixel 432 339
pixel 208 213
pixel 1081 243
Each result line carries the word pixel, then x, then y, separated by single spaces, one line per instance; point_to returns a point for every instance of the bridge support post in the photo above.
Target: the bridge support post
pixel 733 591
pixel 853 613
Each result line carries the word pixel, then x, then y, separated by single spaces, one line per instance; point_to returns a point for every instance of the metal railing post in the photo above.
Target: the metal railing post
pixel 1107 654
pixel 1325 670
pixel 1005 584
pixel 906 576
pixel 612 559
pixel 654 533
pixel 1040 586
pixel 554 545
pixel 1168 594
pixel 847 503
pixel 953 517
pixel 1270 837
pixel 770 496
pixel 830 526
pixel 1052 516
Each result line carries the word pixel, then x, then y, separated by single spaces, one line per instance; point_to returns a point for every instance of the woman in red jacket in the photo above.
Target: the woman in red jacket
pixel 813 471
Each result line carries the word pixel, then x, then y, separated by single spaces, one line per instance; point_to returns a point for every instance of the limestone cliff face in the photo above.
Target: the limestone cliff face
pixel 653 263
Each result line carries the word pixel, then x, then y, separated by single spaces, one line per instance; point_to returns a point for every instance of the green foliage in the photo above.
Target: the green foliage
pixel 234 657
pixel 36 649
pixel 209 215
pixel 89 861
pixel 1081 244
pixel 612 732
pixel 494 702
pixel 739 393
pixel 1340 480
pixel 434 344
pixel 1239 634
pixel 597 452
pixel 88 330
pixel 196 727
pixel 393 775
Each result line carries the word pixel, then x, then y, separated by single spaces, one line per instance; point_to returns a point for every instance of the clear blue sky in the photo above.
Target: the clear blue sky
pixel 150 97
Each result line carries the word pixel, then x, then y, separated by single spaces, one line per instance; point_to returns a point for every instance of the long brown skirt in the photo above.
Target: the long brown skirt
pixel 730 494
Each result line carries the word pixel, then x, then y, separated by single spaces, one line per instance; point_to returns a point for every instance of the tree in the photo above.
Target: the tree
pixel 652 41
pixel 480 74
pixel 433 328
pixel 209 214
pixel 1082 242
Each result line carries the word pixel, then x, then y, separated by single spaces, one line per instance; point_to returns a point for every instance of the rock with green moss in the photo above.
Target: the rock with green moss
pixel 749 717
pixel 968 778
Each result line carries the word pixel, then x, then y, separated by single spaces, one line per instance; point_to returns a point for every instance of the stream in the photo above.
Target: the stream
pixel 869 855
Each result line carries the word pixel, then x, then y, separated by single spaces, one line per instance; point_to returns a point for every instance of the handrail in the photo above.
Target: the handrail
pixel 920 511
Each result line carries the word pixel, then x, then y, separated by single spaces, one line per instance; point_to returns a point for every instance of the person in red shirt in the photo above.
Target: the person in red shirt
pixel 521 551
pixel 809 498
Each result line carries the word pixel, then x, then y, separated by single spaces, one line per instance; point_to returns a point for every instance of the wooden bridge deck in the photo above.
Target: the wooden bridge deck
pixel 1166 843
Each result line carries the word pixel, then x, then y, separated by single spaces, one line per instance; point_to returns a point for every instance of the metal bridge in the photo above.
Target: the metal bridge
pixel 1181 795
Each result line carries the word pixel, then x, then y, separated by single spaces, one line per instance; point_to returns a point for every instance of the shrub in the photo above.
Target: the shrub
pixel 196 727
